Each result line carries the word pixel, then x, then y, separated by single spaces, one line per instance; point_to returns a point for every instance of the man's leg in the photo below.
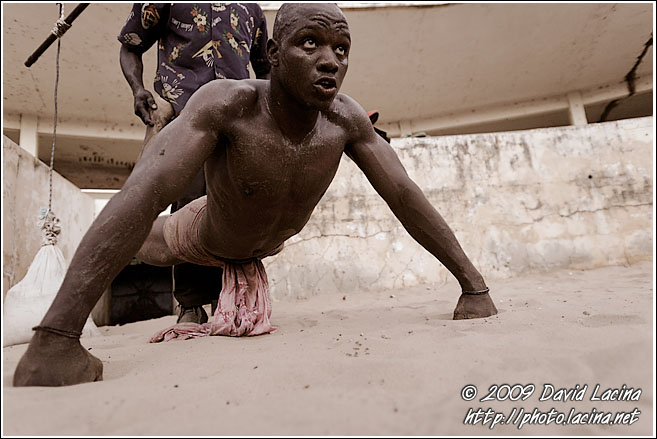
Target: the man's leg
pixel 194 285
pixel 155 251
pixel 161 117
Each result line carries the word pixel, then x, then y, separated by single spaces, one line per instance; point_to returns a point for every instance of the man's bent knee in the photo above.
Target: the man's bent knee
pixel 155 250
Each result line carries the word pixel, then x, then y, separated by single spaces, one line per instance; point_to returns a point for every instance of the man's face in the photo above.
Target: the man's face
pixel 314 54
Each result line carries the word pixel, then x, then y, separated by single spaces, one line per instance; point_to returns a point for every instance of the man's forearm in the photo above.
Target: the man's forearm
pixel 122 227
pixel 132 68
pixel 109 244
pixel 430 230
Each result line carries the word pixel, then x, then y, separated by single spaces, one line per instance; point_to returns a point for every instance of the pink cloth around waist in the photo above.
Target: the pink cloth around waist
pixel 244 304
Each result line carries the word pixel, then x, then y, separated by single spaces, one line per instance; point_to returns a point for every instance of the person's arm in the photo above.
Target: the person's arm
pixel 55 356
pixel 258 53
pixel 175 156
pixel 380 164
pixel 133 69
pixel 144 26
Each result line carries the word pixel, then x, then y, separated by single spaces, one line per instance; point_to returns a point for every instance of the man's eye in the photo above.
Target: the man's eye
pixel 309 43
pixel 341 50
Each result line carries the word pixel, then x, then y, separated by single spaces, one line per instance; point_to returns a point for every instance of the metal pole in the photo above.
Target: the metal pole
pixel 59 30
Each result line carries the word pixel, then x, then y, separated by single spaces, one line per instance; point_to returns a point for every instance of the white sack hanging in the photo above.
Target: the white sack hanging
pixel 28 301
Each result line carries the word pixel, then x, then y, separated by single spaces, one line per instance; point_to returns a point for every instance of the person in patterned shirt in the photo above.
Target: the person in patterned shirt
pixel 197 43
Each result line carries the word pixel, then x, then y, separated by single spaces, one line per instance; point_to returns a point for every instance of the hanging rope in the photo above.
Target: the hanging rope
pixel 50 227
pixel 27 302
pixel 61 26
pixel 54 130
pixel 48 222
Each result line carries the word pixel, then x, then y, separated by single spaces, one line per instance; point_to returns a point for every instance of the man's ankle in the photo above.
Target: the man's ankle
pixel 474 284
pixel 49 339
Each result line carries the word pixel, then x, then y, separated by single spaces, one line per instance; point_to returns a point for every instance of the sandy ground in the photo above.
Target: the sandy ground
pixel 370 364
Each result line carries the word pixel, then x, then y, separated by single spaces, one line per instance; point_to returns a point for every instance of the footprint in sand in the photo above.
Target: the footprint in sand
pixel 309 323
pixel 602 320
pixel 337 315
pixel 358 349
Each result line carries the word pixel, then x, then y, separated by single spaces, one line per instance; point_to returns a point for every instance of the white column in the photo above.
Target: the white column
pixel 405 128
pixel 576 109
pixel 28 138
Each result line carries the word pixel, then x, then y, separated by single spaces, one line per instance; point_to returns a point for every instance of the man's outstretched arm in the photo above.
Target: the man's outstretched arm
pixel 383 169
pixel 123 225
pixel 177 153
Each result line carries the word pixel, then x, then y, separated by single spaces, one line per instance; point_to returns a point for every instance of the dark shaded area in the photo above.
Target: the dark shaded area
pixel 543 120
pixel 629 78
pixel 98 163
pixel 141 292
pixel 639 105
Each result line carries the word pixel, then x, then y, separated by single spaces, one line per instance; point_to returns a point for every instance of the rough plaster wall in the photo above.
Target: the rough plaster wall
pixel 578 197
pixel 25 189
pixel 517 201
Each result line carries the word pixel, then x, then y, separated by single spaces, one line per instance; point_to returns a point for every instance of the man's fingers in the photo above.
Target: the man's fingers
pixel 145 106
pixel 144 114
pixel 147 119
pixel 151 102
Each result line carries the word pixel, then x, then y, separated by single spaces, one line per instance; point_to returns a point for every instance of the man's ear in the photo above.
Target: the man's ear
pixel 272 52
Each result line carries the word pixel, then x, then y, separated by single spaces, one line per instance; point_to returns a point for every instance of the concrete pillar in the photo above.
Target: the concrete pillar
pixel 405 128
pixel 576 111
pixel 28 138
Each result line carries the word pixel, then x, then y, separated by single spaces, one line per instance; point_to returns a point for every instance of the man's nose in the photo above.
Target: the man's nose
pixel 328 61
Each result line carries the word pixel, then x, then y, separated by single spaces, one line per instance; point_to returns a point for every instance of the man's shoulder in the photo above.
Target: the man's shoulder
pixel 350 115
pixel 346 102
pixel 231 87
pixel 224 97
pixel 229 92
pixel 348 112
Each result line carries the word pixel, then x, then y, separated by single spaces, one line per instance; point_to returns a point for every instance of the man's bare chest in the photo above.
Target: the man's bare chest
pixel 269 168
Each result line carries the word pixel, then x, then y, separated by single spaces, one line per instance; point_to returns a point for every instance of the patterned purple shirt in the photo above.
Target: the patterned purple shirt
pixel 198 42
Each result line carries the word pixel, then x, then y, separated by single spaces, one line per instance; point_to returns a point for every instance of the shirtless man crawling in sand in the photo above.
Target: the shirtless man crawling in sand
pixel 270 150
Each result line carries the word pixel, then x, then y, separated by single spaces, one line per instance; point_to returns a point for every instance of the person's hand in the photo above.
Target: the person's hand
pixel 145 106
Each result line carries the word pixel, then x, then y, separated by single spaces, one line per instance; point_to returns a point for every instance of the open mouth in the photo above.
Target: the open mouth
pixel 327 84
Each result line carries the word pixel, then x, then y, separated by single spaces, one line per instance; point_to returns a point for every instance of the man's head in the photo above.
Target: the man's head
pixel 309 52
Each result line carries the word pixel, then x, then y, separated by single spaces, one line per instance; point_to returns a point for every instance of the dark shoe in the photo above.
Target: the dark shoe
pixel 194 314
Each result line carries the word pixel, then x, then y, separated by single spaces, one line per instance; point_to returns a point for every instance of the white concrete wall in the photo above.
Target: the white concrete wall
pixel 578 197
pixel 25 189
pixel 517 201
